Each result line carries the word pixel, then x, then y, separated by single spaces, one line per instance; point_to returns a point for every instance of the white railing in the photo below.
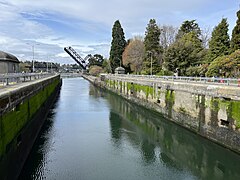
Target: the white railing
pixel 13 78
pixel 206 80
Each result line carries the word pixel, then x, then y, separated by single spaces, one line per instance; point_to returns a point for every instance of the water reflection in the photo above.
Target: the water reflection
pixel 98 135
pixel 34 169
pixel 116 125
pixel 176 147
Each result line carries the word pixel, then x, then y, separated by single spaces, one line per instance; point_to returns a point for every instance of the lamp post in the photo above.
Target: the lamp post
pixel 47 63
pixel 32 45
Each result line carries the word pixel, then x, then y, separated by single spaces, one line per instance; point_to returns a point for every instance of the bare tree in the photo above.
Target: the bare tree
pixel 205 36
pixel 133 54
pixel 168 35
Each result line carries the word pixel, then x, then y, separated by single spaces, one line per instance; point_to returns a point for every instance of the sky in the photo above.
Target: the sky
pixel 86 25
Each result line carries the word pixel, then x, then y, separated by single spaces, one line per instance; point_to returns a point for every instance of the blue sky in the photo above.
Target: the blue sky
pixel 86 25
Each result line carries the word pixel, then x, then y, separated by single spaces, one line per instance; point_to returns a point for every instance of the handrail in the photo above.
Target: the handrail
pixel 205 80
pixel 13 78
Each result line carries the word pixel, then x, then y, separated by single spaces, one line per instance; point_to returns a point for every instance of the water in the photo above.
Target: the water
pixel 91 134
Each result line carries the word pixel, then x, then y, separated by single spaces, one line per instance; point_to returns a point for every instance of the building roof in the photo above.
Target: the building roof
pixel 119 69
pixel 8 57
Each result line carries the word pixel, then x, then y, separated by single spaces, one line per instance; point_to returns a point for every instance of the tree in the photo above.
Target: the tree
pixel 133 55
pixel 95 70
pixel 117 46
pixel 226 66
pixel 205 36
pixel 96 59
pixel 235 41
pixel 184 53
pixel 106 66
pixel 167 36
pixel 187 27
pixel 153 50
pixel 219 44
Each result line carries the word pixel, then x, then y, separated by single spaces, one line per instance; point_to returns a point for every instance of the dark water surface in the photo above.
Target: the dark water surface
pixel 94 135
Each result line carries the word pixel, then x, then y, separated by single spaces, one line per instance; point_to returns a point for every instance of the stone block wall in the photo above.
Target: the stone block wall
pixel 212 111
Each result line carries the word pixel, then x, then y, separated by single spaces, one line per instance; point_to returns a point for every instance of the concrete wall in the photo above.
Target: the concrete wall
pixel 211 111
pixel 23 110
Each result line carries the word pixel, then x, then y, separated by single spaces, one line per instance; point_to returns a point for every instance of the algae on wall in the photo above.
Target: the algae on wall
pixel 169 101
pixel 232 108
pixel 16 119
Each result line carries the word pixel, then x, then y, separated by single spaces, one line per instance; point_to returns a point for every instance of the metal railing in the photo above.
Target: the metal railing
pixel 13 78
pixel 204 80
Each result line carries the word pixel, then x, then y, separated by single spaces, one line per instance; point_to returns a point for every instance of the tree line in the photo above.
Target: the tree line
pixel 184 51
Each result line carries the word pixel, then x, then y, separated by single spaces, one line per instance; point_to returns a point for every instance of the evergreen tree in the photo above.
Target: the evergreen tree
pixel 219 44
pixel 152 47
pixel 117 46
pixel 187 27
pixel 235 41
pixel 185 53
pixel 95 60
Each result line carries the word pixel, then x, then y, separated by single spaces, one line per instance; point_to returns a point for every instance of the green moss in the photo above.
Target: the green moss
pixel 214 104
pixel 107 81
pixel 145 89
pixel 236 112
pixel 111 83
pixel 232 107
pixel 182 110
pixel 129 86
pixel 120 84
pixel 170 96
pixel 15 120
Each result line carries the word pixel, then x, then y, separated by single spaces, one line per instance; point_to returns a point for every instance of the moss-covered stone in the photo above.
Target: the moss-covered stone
pixel 12 122
pixel 232 107
pixel 147 90
pixel 169 101
pixel 170 96
pixel 236 112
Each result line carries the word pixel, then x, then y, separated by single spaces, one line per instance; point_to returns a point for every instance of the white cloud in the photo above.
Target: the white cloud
pixel 63 55
pixel 25 21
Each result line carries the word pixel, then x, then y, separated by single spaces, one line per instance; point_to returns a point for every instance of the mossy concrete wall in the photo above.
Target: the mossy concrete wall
pixel 19 107
pixel 213 111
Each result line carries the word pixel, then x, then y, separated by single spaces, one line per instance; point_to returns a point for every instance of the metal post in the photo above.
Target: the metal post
pixel 47 66
pixel 151 64
pixel 33 58
pixel 33 55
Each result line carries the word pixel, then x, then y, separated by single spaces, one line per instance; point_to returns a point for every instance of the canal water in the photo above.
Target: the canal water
pixel 95 135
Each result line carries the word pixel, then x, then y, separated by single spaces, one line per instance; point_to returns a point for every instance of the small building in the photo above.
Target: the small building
pixel 119 70
pixel 8 63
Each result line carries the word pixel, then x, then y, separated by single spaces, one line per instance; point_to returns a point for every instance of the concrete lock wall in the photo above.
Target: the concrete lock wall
pixel 23 111
pixel 209 110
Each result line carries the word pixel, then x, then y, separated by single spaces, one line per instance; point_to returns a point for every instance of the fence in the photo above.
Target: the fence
pixel 205 80
pixel 8 79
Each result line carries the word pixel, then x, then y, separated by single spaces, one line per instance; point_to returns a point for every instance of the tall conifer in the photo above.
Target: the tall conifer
pixel 153 49
pixel 235 41
pixel 219 44
pixel 117 46
pixel 187 27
